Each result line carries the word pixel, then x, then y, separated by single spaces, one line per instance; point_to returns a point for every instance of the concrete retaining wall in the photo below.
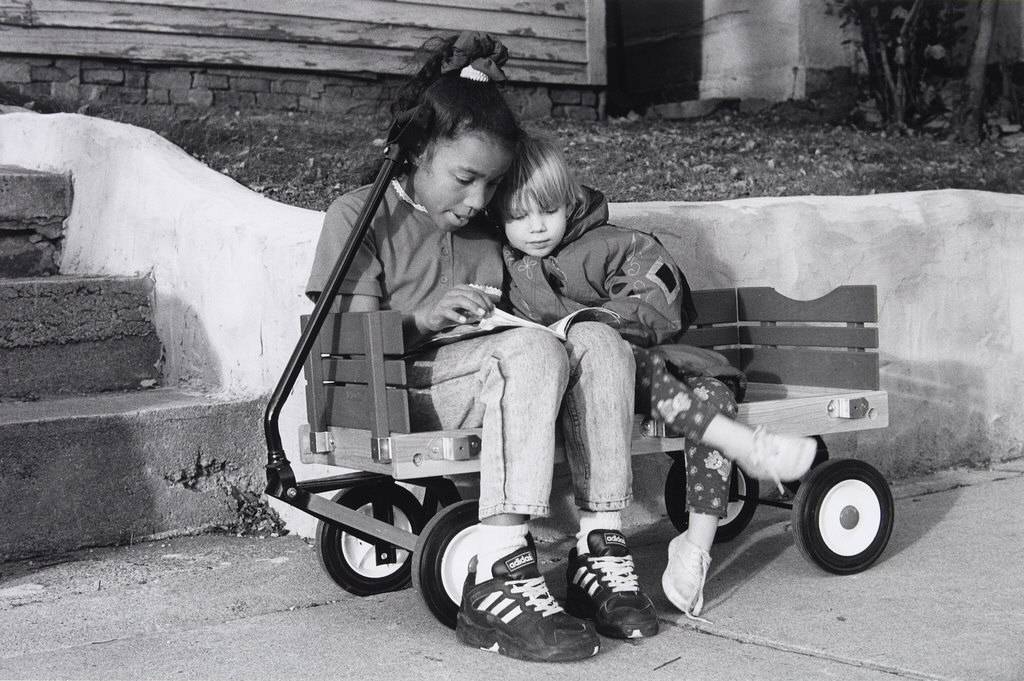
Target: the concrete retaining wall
pixel 229 267
pixel 950 274
pixel 226 262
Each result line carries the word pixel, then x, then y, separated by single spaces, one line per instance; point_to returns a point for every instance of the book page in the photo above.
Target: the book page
pixel 587 314
pixel 500 319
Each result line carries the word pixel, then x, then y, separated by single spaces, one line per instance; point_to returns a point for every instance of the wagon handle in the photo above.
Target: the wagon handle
pixel 406 133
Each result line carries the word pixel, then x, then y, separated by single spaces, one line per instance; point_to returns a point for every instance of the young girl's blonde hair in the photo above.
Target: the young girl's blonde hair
pixel 539 177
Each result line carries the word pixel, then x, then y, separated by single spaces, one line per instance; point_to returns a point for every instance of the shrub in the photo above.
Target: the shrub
pixel 911 49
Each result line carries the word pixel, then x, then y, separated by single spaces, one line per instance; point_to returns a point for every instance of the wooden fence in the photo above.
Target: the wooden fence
pixel 560 43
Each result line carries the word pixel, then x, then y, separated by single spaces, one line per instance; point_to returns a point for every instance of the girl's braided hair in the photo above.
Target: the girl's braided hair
pixel 460 104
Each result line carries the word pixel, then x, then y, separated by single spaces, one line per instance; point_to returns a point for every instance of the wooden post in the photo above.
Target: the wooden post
pixel 381 423
pixel 597 43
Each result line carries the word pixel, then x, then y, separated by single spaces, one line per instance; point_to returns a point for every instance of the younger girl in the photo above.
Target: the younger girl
pixel 563 255
pixel 431 254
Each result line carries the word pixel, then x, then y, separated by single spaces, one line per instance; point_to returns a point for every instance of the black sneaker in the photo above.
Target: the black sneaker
pixel 603 587
pixel 515 615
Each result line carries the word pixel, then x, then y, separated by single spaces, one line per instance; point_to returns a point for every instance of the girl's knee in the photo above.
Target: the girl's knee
pixel 596 339
pixel 533 350
pixel 715 393
pixel 597 334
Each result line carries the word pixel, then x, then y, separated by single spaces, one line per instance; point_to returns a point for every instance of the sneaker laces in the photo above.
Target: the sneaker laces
pixel 618 572
pixel 537 595
pixel 695 563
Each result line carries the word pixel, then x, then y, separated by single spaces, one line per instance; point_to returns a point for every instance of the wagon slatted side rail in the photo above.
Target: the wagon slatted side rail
pixel 358 404
pixel 810 363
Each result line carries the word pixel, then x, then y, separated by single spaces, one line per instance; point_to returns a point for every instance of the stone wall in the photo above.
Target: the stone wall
pixel 56 83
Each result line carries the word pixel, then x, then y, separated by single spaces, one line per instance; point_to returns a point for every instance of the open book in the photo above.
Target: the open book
pixel 499 319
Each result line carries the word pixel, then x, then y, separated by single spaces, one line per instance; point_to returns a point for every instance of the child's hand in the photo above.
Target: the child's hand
pixel 462 304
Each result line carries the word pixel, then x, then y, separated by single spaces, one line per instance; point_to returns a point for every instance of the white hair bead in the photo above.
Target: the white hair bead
pixel 473 74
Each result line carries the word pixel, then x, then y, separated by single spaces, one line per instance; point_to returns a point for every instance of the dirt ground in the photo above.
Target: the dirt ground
pixel 791 149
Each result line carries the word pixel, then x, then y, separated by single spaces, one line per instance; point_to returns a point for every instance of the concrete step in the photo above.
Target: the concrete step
pixel 117 467
pixel 33 207
pixel 61 335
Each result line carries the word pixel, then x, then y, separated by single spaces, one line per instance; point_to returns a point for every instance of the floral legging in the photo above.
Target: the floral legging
pixel 687 404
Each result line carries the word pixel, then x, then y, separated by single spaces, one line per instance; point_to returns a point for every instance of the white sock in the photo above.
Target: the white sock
pixel 596 520
pixel 495 542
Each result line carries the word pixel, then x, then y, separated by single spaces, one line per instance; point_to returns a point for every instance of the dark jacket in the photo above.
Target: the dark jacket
pixel 629 272
pixel 602 265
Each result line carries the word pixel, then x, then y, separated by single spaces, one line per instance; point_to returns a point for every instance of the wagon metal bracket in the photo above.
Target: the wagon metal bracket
pixel 856 408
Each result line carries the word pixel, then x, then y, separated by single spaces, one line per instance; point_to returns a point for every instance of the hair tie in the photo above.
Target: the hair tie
pixel 477 56
pixel 472 74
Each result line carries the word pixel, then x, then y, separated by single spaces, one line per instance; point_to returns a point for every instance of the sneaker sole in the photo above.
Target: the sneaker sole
pixel 644 631
pixel 584 610
pixel 489 640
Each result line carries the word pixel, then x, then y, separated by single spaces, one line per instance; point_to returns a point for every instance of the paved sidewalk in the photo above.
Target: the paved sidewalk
pixel 946 601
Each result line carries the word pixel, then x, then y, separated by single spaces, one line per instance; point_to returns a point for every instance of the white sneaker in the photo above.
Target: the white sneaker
pixel 778 457
pixel 683 579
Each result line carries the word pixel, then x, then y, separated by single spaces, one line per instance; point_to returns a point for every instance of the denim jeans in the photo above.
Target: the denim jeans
pixel 517 385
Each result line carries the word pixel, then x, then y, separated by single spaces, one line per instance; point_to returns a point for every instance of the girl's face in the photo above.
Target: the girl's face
pixel 538 232
pixel 456 178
